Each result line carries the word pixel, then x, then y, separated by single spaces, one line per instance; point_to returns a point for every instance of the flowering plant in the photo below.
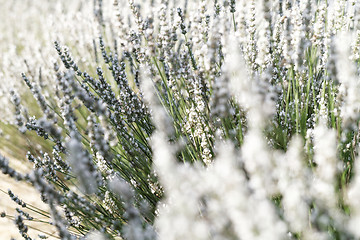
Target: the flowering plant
pixel 194 120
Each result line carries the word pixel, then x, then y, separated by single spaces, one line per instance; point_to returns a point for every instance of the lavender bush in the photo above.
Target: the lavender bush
pixel 192 120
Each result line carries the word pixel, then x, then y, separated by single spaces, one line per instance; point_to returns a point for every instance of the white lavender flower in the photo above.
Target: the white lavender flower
pixel 251 92
pixel 323 186
pixel 95 235
pixel 82 166
pixel 352 198
pixel 348 77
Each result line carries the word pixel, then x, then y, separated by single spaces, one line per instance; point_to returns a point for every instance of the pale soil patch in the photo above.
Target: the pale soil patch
pixel 29 195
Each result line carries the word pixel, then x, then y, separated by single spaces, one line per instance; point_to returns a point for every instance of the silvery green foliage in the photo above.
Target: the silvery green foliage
pixel 189 119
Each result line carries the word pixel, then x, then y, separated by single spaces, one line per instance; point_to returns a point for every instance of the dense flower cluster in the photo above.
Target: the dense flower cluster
pixel 189 119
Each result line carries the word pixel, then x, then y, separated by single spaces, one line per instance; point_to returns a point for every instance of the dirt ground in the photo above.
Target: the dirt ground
pixel 29 195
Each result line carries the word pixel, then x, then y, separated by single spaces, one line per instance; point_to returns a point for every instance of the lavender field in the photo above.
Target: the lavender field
pixel 177 119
